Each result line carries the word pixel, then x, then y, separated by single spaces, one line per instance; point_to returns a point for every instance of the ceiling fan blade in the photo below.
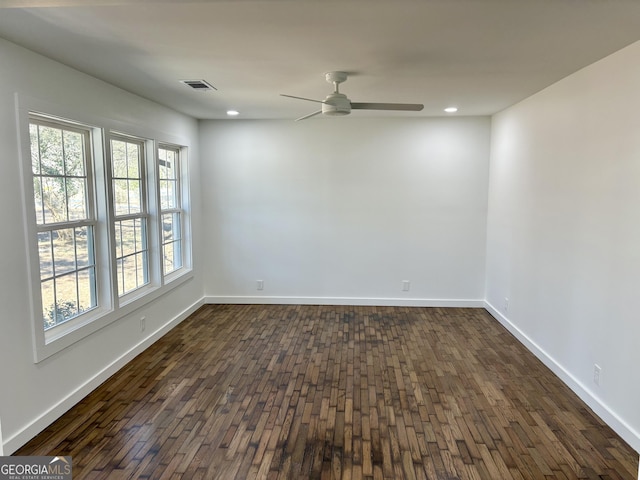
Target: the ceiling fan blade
pixel 408 107
pixel 301 98
pixel 310 115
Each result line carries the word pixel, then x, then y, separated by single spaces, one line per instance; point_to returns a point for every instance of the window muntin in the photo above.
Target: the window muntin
pixel 65 219
pixel 170 208
pixel 130 215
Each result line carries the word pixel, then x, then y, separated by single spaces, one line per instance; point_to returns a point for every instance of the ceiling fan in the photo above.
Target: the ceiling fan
pixel 337 103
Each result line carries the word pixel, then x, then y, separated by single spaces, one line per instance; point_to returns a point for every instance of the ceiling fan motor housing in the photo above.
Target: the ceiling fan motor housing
pixel 336 104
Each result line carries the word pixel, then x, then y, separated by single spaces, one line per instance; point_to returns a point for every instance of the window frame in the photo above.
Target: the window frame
pixel 110 307
pixel 177 209
pixel 89 222
pixel 143 216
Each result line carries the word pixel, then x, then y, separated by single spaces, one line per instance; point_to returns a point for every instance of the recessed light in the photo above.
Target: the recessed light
pixel 451 109
pixel 233 113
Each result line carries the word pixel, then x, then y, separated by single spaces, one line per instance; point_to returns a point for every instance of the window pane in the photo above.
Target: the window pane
pixel 162 163
pixel 76 198
pixel 134 196
pixel 172 255
pixel 177 254
pixel 118 159
pixel 133 160
pixel 167 227
pixel 167 194
pixel 171 243
pixel 54 199
pixel 168 255
pixel 120 273
pixel 84 247
pixel 50 145
pixel 45 254
pixel 131 252
pixel 37 197
pixel 35 151
pixel 141 268
pixel 139 235
pixel 133 272
pixel 63 251
pixel 170 227
pixel 73 154
pixel 167 160
pixel 121 197
pixel 66 297
pixel 129 274
pixel 86 290
pixel 126 233
pixel 48 302
pixel 119 239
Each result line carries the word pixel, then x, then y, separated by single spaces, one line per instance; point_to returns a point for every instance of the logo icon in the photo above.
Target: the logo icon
pixel 36 468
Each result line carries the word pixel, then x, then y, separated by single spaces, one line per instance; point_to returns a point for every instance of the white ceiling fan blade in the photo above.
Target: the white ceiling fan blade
pixel 301 98
pixel 408 107
pixel 310 115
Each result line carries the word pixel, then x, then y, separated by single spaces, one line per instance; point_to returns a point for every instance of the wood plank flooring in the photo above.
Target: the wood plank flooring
pixel 324 392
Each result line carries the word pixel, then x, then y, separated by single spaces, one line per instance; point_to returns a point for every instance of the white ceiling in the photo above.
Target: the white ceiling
pixel 479 55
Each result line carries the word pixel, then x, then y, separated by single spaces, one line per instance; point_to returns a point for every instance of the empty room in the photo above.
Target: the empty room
pixel 320 239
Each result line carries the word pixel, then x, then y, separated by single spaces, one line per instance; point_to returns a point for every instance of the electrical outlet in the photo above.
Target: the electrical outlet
pixel 260 284
pixel 506 305
pixel 597 374
pixel 406 285
pixel 143 323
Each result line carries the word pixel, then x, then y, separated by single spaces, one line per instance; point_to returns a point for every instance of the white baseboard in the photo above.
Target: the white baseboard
pixel 20 438
pixel 355 301
pixel 631 436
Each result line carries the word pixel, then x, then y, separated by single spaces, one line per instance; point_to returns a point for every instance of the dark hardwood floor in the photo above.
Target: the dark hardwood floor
pixel 254 391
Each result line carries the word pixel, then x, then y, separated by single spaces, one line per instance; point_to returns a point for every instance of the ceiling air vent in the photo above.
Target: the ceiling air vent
pixel 199 85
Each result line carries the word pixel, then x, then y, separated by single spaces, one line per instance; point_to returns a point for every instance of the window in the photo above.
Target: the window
pixel 170 208
pixel 109 229
pixel 129 213
pixel 65 219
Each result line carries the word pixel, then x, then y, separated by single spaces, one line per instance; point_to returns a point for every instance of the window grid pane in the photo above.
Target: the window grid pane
pixel 131 254
pixel 132 272
pixel 59 174
pixel 67 270
pixel 171 242
pixel 126 167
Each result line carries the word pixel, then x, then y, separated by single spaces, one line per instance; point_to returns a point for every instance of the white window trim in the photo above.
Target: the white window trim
pixel 180 182
pixel 147 181
pixel 110 307
pixel 91 220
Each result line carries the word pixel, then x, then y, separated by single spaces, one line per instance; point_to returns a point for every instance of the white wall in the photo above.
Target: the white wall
pixel 564 231
pixel 32 395
pixel 342 210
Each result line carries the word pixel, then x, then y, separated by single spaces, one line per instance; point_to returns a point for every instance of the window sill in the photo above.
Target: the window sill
pixel 58 338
